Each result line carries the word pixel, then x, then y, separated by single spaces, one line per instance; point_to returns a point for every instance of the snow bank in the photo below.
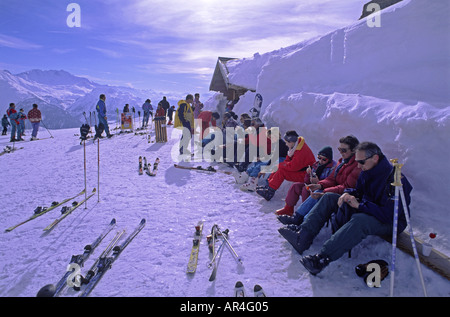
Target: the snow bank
pixel 388 84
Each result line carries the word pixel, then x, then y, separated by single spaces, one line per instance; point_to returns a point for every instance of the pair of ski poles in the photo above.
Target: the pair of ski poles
pixel 223 234
pixel 400 193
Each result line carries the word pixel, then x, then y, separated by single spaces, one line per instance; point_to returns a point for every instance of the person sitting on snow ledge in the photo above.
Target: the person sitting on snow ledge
pixel 293 168
pixel 318 171
pixel 366 210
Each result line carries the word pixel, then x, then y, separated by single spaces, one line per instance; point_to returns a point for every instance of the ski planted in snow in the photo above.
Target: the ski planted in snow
pixel 193 259
pixel 140 166
pixel 145 164
pixel 52 290
pixel 105 262
pixel 39 211
pixel 155 168
pixel 202 169
pixel 239 290
pixel 67 211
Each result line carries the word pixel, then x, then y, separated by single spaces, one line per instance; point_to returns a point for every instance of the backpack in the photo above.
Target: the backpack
pixel 84 130
pixel 99 130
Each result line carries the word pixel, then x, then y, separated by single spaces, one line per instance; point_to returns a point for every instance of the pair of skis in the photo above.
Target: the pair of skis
pixel 102 264
pixel 143 166
pixel 202 169
pixel 239 290
pixel 39 211
pixel 9 149
pixel 65 211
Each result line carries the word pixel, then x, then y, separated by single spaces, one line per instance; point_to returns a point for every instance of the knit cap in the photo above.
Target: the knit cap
pixel 327 151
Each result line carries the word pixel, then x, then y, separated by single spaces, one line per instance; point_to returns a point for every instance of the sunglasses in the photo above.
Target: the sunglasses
pixel 343 150
pixel 362 162
pixel 322 158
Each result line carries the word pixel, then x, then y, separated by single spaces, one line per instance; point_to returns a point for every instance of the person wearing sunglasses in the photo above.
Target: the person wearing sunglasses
pixel 370 210
pixel 318 171
pixel 343 176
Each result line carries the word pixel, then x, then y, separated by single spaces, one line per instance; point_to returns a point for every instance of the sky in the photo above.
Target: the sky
pixel 163 45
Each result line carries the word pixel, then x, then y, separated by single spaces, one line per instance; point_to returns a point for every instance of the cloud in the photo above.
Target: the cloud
pixel 186 37
pixel 107 52
pixel 16 43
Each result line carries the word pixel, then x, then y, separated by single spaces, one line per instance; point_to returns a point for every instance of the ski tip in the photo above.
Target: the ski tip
pixel 113 221
pixel 238 284
pixel 143 221
pixel 47 291
pixel 258 290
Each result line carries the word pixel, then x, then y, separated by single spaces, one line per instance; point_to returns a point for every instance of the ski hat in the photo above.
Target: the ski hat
pixel 327 151
pixel 291 136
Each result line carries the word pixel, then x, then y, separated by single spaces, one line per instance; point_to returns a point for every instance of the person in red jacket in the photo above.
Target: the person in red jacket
pixel 293 168
pixel 35 117
pixel 208 119
pixel 343 176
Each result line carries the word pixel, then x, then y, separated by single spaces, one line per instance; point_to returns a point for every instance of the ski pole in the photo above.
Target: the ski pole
pixel 51 136
pixel 238 258
pixel 413 242
pixel 400 193
pixel 85 187
pixel 210 264
pixel 98 170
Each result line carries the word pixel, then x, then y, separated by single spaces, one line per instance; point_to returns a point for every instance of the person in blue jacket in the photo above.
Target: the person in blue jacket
pixel 101 110
pixel 365 210
pixel 13 116
pixel 5 124
pixel 148 111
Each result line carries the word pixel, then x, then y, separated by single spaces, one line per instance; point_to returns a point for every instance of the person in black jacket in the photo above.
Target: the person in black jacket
pixel 5 124
pixel 366 210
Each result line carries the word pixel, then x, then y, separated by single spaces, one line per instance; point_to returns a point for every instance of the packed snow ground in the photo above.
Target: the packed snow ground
pixel 154 264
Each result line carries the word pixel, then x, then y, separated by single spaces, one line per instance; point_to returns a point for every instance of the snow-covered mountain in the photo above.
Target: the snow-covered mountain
pixel 63 97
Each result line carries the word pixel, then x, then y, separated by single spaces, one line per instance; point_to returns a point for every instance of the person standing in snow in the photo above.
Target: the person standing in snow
pixel 318 171
pixel 22 117
pixel 208 119
pixel 366 210
pixel 148 110
pixel 102 118
pixel 13 116
pixel 165 105
pixel 170 112
pixel 5 124
pixel 293 168
pixel 184 118
pixel 197 106
pixel 35 117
